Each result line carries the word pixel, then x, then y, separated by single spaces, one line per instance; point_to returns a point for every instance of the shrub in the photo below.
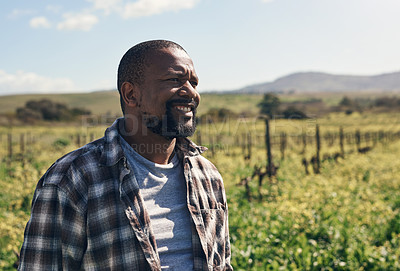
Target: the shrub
pixel 48 110
pixel 293 113
pixel 61 142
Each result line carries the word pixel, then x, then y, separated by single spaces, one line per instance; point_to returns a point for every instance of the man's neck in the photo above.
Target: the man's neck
pixel 151 146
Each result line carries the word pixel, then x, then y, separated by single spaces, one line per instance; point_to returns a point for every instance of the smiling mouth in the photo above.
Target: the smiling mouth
pixel 182 107
pixel 185 109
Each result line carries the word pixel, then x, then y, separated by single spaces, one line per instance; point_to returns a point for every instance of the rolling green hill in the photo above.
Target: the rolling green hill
pixel 107 102
pixel 304 82
pixel 103 102
pixel 99 102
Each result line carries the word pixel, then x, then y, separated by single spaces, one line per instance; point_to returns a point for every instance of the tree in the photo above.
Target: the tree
pixel 293 113
pixel 46 109
pixel 388 102
pixel 346 101
pixel 269 105
pixel 28 115
pixel 349 105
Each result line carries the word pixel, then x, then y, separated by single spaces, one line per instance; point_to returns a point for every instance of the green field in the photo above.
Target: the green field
pixel 103 102
pixel 99 102
pixel 345 218
pixel 107 102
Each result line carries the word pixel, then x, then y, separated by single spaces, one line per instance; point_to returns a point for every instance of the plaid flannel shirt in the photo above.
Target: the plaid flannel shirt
pixel 87 213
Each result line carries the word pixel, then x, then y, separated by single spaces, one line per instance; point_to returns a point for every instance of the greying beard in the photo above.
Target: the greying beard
pixel 168 126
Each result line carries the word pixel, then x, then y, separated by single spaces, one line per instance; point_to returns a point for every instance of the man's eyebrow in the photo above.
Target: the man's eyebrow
pixel 177 72
pixel 180 73
pixel 173 71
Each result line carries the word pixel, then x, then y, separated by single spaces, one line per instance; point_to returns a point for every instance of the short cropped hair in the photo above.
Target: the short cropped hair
pixel 131 66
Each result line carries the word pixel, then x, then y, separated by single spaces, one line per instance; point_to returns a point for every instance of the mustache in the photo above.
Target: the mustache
pixel 189 102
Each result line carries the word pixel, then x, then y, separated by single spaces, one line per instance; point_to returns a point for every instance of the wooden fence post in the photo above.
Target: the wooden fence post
pixel 212 146
pixel 341 139
pixel 249 145
pixel 268 147
pixel 22 144
pixel 318 141
pixel 358 139
pixel 199 137
pixel 243 144
pixel 283 144
pixel 304 137
pixel 78 140
pixel 10 147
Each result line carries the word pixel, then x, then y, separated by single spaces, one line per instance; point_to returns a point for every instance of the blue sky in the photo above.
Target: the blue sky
pixel 69 46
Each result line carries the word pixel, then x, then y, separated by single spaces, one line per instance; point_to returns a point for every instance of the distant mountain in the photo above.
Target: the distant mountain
pixel 324 82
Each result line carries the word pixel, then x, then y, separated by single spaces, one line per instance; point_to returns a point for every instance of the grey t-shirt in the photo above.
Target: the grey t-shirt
pixel 163 190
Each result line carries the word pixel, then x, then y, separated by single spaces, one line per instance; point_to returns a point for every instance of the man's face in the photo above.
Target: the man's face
pixel 169 98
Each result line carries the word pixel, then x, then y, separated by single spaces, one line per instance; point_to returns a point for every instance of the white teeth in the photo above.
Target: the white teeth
pixel 184 108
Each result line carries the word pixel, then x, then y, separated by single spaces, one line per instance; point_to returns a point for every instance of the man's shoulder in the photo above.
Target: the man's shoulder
pixel 75 164
pixel 204 166
pixel 204 162
pixel 194 152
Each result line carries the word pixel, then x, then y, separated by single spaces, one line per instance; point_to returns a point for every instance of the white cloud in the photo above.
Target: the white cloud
pixel 39 22
pixel 83 21
pixel 29 82
pixel 16 13
pixel 54 9
pixel 143 8
pixel 106 5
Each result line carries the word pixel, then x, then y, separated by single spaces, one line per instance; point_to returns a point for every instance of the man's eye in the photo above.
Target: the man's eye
pixel 173 79
pixel 194 83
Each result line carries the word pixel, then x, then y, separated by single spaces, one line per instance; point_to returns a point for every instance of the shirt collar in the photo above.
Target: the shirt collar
pixel 112 151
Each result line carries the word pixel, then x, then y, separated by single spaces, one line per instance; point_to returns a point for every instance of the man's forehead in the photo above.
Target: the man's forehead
pixel 167 56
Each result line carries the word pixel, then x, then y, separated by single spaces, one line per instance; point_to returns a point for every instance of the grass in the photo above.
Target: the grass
pixel 346 218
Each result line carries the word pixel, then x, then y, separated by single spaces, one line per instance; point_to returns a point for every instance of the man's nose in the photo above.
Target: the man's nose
pixel 189 91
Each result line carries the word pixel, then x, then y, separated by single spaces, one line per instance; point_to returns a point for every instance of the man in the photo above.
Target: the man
pixel 142 197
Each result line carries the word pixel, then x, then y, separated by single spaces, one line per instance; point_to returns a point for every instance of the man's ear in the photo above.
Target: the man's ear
pixel 129 94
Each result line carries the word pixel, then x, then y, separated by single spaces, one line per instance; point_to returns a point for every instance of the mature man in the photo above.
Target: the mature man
pixel 142 197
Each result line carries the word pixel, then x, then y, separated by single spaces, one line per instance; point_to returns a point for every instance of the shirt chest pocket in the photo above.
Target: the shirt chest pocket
pixel 214 224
